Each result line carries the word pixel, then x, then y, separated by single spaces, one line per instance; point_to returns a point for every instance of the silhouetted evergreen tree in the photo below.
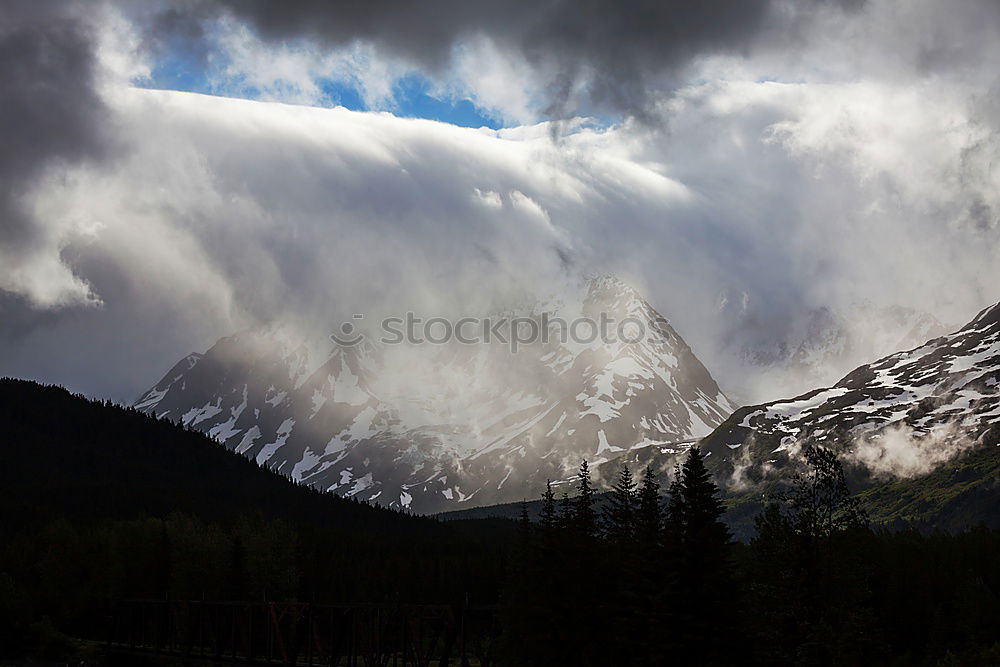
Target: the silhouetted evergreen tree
pixel 584 512
pixel 651 576
pixel 674 514
pixel 702 548
pixel 551 540
pixel 649 513
pixel 549 516
pixel 582 557
pixel 523 521
pixel 522 611
pixel 565 511
pixel 696 512
pixel 627 617
pixel 618 516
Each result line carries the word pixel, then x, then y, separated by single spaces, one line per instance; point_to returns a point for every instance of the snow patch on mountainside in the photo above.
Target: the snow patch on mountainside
pixel 395 422
pixel 901 416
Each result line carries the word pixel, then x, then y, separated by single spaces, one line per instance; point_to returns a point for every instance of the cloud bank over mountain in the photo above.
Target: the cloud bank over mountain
pixel 768 164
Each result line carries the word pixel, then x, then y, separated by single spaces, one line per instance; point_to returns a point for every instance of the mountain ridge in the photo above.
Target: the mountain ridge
pixel 99 459
pixel 898 416
pixel 917 430
pixel 457 422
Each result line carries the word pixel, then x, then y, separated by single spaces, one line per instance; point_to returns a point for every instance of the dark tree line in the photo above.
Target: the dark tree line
pixel 642 581
pixel 100 503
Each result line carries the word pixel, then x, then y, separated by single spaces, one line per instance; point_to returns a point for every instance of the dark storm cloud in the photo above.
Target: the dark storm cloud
pixel 615 53
pixel 224 213
pixel 50 110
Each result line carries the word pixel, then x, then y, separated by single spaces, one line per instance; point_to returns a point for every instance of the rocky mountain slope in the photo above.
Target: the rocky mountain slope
pixel 919 432
pixel 435 427
pixel 902 416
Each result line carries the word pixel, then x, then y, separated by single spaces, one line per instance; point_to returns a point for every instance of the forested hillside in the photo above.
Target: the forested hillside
pixel 100 503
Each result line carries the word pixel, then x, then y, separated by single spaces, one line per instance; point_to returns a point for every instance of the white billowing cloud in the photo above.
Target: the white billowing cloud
pixel 52 117
pixel 119 48
pixel 821 196
pixel 242 65
pixel 501 84
pixel 900 451
pixel 912 138
pixel 782 196
pixel 37 269
pixel 259 211
pixel 833 168
pixel 41 277
pixel 859 169
pixel 497 81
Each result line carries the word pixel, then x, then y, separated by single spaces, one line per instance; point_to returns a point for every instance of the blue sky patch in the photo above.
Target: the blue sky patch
pixel 412 98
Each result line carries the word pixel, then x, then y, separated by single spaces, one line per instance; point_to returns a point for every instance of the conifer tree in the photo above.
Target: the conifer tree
pixel 565 520
pixel 584 514
pixel 695 509
pixel 674 515
pixel 701 555
pixel 521 613
pixel 626 621
pixel 649 512
pixel 580 558
pixel 524 521
pixel 619 512
pixel 651 574
pixel 550 534
pixel 549 517
pixel 523 560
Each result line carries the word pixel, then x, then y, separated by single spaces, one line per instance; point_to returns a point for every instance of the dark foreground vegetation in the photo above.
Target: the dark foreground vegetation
pixel 640 582
pixel 100 504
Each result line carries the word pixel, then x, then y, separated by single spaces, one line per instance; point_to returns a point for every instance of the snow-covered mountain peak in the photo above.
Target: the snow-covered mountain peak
pixel 430 425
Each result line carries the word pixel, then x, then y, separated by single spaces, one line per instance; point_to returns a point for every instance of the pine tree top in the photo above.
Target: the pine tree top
pixel 619 512
pixel 584 515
